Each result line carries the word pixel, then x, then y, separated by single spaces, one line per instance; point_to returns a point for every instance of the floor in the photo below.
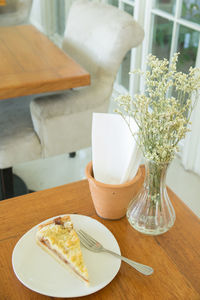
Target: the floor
pixel 185 184
pixel 58 170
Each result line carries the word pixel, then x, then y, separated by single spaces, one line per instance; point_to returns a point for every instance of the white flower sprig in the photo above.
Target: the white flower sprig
pixel 162 118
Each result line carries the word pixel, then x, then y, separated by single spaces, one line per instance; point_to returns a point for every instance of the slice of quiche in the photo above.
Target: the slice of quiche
pixel 59 239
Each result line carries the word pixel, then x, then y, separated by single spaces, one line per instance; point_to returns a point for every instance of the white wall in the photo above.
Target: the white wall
pixel 36 15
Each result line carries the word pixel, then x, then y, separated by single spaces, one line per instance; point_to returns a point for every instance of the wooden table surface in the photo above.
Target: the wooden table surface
pixel 175 255
pixel 2 2
pixel 31 64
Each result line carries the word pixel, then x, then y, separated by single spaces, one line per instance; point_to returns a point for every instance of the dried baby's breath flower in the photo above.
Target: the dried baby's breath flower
pixel 162 119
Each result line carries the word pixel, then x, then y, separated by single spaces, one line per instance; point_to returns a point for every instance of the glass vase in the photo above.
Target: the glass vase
pixel 151 211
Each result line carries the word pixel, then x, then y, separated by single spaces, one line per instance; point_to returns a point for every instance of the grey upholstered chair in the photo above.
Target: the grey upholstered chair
pixel 15 122
pixel 15 12
pixel 18 142
pixel 98 36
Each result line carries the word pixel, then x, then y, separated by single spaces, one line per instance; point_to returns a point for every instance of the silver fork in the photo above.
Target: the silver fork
pixel 91 244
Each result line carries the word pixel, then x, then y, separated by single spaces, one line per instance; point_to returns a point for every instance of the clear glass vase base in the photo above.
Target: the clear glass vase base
pixel 151 230
pixel 151 211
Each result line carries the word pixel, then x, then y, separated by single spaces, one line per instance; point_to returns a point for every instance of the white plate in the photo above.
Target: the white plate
pixel 38 271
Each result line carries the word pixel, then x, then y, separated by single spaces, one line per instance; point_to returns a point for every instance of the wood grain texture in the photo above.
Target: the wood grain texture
pixel 173 255
pixel 31 64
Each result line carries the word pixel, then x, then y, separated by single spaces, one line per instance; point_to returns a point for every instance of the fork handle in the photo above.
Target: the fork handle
pixel 146 270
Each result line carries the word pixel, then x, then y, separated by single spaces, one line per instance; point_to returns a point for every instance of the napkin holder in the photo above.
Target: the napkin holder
pixel 111 201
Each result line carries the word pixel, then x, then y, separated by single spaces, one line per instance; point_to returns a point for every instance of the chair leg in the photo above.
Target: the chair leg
pixel 72 154
pixel 7 184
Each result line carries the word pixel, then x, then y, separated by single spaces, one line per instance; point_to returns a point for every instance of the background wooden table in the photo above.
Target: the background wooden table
pixel 175 255
pixel 31 64
pixel 2 2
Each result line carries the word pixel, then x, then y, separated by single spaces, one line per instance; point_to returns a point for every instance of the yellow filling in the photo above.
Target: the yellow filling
pixel 65 240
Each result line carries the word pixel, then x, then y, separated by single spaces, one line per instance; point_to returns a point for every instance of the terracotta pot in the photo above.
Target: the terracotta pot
pixel 111 201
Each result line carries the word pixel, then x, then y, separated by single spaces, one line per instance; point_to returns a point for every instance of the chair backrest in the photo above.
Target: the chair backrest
pixel 15 12
pixel 99 35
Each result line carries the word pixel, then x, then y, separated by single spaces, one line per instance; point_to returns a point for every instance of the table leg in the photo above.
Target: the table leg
pixel 11 185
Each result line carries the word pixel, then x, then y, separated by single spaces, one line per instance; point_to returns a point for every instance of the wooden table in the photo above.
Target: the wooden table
pixel 2 2
pixel 31 64
pixel 175 255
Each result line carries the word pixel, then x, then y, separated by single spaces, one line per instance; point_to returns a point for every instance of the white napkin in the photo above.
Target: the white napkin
pixel 115 153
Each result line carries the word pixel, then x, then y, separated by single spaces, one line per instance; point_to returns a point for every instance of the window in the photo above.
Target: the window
pixel 170 26
pixel 174 26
